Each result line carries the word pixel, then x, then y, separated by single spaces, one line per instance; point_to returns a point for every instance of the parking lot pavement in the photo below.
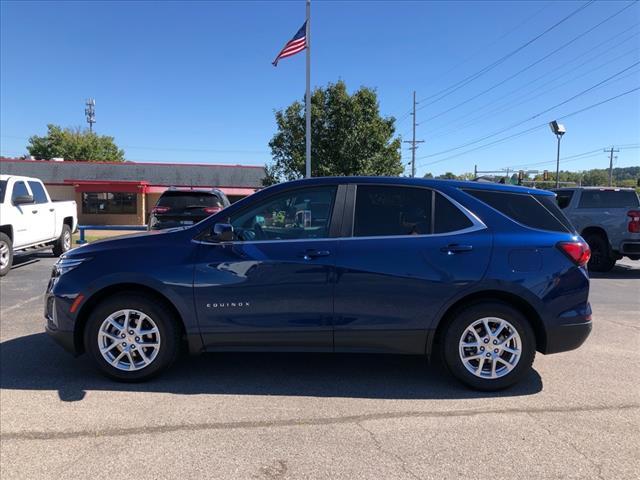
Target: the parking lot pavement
pixel 318 416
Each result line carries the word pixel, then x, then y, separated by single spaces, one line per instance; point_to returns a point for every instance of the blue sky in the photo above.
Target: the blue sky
pixel 193 81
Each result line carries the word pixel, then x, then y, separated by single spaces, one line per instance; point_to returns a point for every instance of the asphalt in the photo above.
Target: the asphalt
pixel 286 416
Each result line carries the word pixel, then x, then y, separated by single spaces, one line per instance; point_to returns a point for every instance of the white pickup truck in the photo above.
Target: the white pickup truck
pixel 29 220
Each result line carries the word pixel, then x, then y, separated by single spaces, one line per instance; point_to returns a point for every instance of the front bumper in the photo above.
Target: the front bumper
pixel 61 337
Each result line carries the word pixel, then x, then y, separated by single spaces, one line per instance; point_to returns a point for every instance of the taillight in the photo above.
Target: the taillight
pixel 579 252
pixel 160 209
pixel 634 223
pixel 212 210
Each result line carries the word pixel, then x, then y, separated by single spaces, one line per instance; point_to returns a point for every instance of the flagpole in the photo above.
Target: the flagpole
pixel 308 94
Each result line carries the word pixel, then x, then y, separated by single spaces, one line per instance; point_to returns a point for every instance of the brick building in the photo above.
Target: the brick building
pixel 124 193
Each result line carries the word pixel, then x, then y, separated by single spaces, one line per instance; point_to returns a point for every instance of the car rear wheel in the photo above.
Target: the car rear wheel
pixel 6 254
pixel 132 338
pixel 602 259
pixel 63 244
pixel 489 346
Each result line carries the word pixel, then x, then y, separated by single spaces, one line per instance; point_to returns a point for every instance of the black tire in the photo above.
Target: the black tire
pixel 168 327
pixel 602 258
pixel 466 317
pixel 6 247
pixel 63 244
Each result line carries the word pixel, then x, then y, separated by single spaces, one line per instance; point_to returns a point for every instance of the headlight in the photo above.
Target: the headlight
pixel 65 264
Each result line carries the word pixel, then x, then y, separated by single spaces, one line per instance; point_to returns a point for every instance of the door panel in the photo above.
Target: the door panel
pixel 272 287
pixel 266 295
pixel 44 228
pixel 23 219
pixel 389 290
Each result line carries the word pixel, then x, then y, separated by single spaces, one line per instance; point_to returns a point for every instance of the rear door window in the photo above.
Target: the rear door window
pixel 526 209
pixel 608 199
pixel 448 217
pixel 39 195
pixel 388 211
pixel 564 198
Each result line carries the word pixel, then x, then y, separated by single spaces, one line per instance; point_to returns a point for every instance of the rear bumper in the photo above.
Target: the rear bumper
pixel 630 247
pixel 567 337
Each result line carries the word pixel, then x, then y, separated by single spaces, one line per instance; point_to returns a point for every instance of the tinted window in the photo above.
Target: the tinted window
pixel 384 210
pixel 553 207
pixel 178 200
pixel 448 217
pixel 303 213
pixel 523 208
pixel 3 188
pixel 19 190
pixel 39 195
pixel 564 198
pixel 608 199
pixel 109 202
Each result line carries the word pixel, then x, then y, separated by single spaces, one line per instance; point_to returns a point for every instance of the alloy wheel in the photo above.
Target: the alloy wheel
pixel 129 340
pixel 490 348
pixel 4 254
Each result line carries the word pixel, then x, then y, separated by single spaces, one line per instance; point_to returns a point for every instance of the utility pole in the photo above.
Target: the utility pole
pixel 611 151
pixel 90 112
pixel 413 142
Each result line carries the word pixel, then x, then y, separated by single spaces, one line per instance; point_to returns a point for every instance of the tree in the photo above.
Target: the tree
pixel 74 144
pixel 447 176
pixel 428 175
pixel 348 137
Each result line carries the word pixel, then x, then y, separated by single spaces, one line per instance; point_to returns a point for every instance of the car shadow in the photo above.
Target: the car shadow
pixel 24 259
pixel 618 272
pixel 34 362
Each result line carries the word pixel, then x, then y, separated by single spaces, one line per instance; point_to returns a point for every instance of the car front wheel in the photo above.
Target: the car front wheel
pixel 489 346
pixel 132 338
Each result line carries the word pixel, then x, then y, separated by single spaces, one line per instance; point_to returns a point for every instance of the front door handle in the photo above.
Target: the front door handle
pixel 51 209
pixel 454 248
pixel 34 211
pixel 311 254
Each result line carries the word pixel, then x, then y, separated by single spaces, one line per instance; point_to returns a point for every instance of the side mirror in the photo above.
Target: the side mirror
pixel 223 232
pixel 22 199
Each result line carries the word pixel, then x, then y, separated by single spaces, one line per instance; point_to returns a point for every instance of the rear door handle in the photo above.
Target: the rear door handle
pixel 454 248
pixel 34 211
pixel 51 209
pixel 311 254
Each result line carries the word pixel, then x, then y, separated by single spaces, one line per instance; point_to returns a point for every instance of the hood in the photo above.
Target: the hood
pixel 137 240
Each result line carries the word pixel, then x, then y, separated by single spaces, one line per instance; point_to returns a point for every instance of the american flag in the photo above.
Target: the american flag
pixel 297 44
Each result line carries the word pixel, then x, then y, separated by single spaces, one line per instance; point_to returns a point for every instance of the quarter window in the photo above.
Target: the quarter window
pixel 525 209
pixel 39 195
pixel 386 211
pixel 303 213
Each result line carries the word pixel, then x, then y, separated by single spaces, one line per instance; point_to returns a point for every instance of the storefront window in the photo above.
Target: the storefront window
pixel 109 203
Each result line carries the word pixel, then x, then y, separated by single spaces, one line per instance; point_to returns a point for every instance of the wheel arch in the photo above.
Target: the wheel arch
pixel 8 231
pixel 511 299
pixel 594 230
pixel 89 304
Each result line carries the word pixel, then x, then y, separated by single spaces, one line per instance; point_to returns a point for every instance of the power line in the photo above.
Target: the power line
pixel 534 116
pixel 524 132
pixel 457 86
pixel 504 35
pixel 522 70
pixel 509 104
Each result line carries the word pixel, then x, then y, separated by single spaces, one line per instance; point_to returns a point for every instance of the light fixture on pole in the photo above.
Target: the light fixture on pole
pixel 559 130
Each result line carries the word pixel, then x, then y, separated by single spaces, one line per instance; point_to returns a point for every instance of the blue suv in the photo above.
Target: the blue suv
pixel 483 274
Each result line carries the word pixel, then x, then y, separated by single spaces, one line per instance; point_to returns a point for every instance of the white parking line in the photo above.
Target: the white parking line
pixel 20 304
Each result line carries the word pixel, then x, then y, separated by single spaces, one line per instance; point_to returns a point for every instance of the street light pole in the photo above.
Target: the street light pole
pixel 558 162
pixel 559 130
